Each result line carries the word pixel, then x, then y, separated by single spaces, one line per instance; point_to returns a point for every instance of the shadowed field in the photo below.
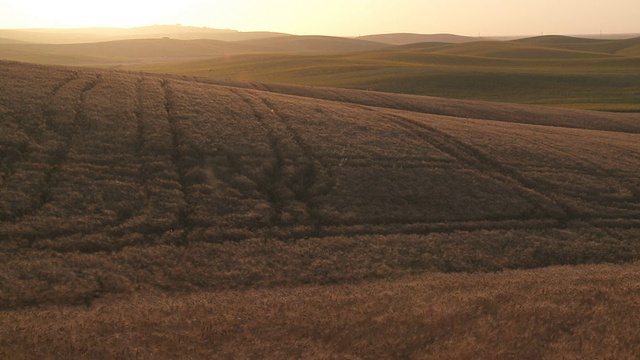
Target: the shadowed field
pixel 140 190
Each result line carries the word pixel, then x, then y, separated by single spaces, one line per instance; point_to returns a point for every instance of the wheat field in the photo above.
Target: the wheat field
pixel 166 216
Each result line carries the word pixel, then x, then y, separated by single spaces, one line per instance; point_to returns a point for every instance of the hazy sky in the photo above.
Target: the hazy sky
pixel 337 17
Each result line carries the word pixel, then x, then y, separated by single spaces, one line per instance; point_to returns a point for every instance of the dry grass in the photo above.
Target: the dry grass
pixel 69 271
pixel 583 312
pixel 122 192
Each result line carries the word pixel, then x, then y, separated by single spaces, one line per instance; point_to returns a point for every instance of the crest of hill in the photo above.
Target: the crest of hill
pixel 190 33
pixel 633 50
pixel 173 50
pixel 4 41
pixel 521 50
pixel 159 48
pixel 625 47
pixel 123 51
pixel 315 44
pixel 467 109
pixel 409 38
pixel 557 39
pixel 89 35
pixel 423 45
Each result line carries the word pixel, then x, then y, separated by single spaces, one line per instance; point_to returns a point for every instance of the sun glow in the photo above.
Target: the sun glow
pixel 334 17
pixel 78 13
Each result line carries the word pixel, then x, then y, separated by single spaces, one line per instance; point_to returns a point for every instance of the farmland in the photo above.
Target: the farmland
pixel 170 209
pixel 555 71
pixel 559 71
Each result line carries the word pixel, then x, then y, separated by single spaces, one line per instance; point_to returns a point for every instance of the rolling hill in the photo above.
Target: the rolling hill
pixel 591 74
pixel 408 38
pixel 315 44
pixel 613 47
pixel 123 51
pixel 598 75
pixel 4 41
pixel 235 208
pixel 91 35
pixel 120 52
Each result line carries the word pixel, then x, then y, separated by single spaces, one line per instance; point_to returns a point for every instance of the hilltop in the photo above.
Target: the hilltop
pixel 315 44
pixel 171 50
pixel 124 51
pixel 235 208
pixel 90 35
pixel 408 38
pixel 4 41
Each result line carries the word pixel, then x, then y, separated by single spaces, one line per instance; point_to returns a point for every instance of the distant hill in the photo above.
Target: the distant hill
pixel 580 36
pixel 633 50
pixel 519 72
pixel 613 47
pixel 407 38
pixel 123 51
pixel 423 45
pixel 172 50
pixel 605 36
pixel 557 39
pixel 517 50
pixel 88 35
pixel 314 44
pixel 4 41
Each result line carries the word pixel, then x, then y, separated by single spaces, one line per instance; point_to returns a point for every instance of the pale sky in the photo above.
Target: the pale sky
pixel 337 17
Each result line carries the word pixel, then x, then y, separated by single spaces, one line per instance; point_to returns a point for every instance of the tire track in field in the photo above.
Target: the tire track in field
pixel 304 182
pixel 10 162
pixel 481 162
pixel 154 146
pixel 67 133
pixel 589 167
pixel 139 144
pixel 316 179
pixel 388 102
pixel 276 177
pixel 49 113
pixel 339 97
pixel 138 116
pixel 177 157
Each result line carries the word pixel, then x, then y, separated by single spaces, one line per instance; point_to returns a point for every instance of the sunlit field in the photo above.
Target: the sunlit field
pixel 555 71
pixel 559 71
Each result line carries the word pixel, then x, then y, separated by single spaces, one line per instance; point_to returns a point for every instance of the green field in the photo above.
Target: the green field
pixel 556 71
pixel 560 71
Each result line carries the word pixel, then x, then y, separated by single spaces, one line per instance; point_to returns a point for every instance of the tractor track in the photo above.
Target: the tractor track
pixel 481 162
pixel 307 183
pixel 178 161
pixel 67 134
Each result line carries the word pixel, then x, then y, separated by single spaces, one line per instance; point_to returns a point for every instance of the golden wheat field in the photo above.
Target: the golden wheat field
pixel 583 312
pixel 164 216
